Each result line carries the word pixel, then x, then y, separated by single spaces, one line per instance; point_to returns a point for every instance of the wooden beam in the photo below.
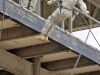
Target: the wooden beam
pixel 3 72
pixel 78 70
pixel 16 32
pixel 39 50
pixel 66 64
pixel 95 12
pixel 90 73
pixel 36 68
pixel 95 2
pixel 15 64
pixel 45 72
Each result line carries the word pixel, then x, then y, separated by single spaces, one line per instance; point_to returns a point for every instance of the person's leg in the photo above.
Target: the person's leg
pixel 50 24
pixel 59 16
pixel 33 5
pixel 24 3
pixel 53 20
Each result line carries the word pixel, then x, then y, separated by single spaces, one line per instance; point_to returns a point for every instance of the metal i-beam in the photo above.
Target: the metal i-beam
pixel 14 64
pixel 59 35
pixel 15 32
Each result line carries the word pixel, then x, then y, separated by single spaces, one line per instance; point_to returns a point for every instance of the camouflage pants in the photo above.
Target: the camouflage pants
pixel 53 19
pixel 32 6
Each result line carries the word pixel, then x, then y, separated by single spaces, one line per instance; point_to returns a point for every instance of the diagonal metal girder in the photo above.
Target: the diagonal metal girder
pixel 36 22
pixel 15 64
pixel 19 31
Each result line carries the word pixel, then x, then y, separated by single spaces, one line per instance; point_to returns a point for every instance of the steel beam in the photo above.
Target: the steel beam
pixel 39 50
pixel 15 32
pixel 36 22
pixel 66 64
pixel 14 64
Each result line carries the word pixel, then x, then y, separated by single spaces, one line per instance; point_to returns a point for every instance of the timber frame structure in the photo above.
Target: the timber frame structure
pixel 22 53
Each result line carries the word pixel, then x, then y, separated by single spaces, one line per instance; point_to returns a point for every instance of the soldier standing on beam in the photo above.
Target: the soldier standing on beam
pixel 60 15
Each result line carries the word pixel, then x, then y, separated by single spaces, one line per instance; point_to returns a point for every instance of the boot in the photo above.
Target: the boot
pixel 43 37
pixel 34 11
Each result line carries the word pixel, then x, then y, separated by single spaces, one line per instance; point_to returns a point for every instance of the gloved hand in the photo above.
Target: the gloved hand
pixel 49 2
pixel 34 11
pixel 86 12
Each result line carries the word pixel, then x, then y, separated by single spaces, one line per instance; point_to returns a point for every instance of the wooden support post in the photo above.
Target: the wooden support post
pixel 95 12
pixel 36 68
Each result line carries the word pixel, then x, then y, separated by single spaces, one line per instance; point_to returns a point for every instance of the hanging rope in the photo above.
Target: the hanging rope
pixel 3 17
pixel 77 61
pixel 89 27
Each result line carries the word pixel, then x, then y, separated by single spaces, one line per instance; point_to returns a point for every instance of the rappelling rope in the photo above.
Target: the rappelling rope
pixel 89 27
pixel 77 61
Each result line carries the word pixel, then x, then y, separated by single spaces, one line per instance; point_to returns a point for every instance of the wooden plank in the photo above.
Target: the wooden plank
pixel 95 12
pixel 95 2
pixel 15 64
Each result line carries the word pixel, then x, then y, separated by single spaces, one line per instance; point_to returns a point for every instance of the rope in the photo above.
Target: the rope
pixel 90 29
pixel 77 61
pixel 3 17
